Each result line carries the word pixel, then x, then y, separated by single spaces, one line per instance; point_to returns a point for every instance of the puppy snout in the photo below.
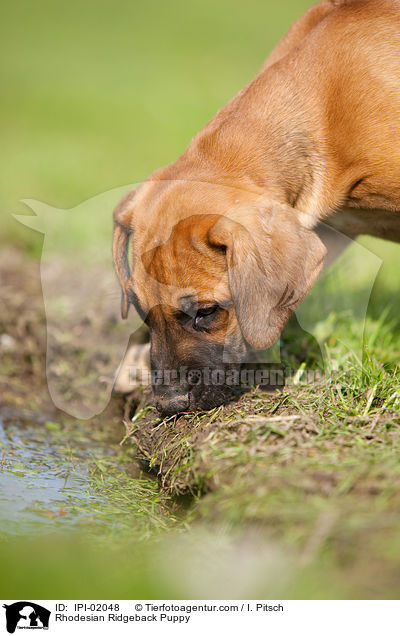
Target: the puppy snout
pixel 172 404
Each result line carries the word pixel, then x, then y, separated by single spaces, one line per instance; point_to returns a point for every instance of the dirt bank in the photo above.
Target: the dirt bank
pixel 24 390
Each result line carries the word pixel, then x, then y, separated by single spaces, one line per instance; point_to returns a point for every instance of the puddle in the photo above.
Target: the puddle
pixel 54 477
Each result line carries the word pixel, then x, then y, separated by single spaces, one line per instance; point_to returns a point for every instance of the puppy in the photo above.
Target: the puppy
pixel 223 239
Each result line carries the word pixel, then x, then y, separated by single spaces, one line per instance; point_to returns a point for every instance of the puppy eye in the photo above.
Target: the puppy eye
pixel 204 316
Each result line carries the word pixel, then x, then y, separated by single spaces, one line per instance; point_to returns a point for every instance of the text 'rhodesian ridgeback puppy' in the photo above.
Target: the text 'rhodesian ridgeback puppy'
pixel 222 239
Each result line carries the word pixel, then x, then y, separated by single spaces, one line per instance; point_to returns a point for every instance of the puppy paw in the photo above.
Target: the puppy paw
pixel 134 370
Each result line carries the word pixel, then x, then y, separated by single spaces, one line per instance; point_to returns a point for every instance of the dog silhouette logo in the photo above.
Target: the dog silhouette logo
pixel 26 615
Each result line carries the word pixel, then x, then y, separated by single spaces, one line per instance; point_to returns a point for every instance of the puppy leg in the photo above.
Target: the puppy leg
pixel 134 370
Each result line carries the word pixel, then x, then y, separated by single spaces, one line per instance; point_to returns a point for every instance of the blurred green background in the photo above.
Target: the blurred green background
pixel 97 95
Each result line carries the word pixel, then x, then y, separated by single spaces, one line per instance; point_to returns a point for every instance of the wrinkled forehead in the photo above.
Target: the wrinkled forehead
pixel 172 257
pixel 185 265
pixel 160 204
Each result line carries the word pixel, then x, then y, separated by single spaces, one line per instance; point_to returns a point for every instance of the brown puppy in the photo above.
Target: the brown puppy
pixel 223 242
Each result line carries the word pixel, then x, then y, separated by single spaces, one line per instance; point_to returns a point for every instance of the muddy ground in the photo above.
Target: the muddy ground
pixel 23 337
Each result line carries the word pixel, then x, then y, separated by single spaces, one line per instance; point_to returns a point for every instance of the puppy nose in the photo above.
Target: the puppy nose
pixel 177 404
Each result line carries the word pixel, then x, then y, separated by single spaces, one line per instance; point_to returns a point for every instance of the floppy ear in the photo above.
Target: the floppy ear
pixel 272 262
pixel 122 231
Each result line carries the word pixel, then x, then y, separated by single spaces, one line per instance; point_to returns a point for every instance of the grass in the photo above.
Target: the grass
pixel 313 469
pixel 292 494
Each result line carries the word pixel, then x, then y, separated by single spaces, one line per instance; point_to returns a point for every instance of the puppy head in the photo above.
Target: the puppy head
pixel 211 286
